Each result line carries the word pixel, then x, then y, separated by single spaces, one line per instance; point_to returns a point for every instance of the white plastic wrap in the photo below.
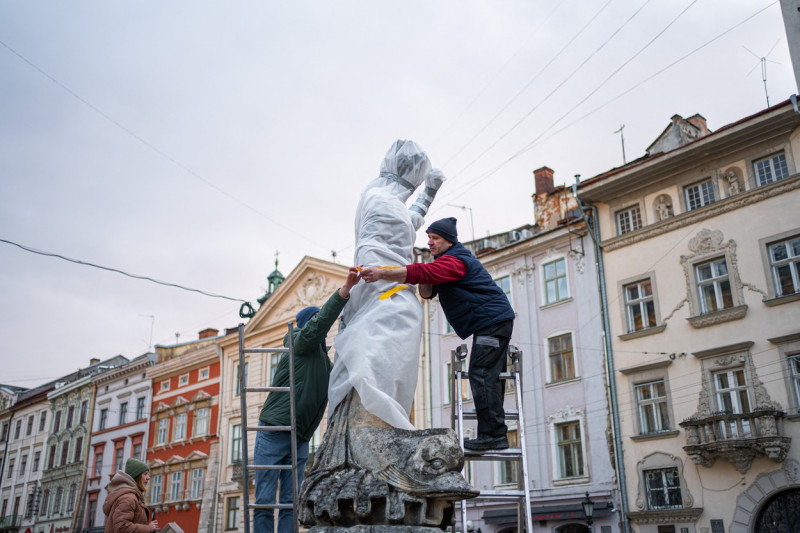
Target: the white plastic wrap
pixel 377 352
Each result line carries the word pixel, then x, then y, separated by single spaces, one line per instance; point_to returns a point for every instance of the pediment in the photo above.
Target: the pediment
pixel 310 283
pixel 179 401
pixel 175 459
pixel 195 455
pixel 200 396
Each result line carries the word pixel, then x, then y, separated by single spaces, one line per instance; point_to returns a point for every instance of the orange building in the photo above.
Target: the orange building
pixel 183 443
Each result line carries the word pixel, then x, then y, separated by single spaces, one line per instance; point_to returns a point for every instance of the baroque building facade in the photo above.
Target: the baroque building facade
pixel 119 431
pixel 547 270
pixel 183 433
pixel 701 247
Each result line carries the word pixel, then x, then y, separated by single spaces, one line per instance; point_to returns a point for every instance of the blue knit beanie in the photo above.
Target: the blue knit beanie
pixel 445 228
pixel 305 315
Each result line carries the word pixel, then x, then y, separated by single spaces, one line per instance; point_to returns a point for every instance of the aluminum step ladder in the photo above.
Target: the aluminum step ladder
pixel 521 494
pixel 246 466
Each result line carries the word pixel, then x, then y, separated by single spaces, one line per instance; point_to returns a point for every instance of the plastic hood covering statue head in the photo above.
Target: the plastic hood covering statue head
pixel 377 352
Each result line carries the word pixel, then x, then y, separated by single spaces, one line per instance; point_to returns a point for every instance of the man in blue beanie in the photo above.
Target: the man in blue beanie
pixel 312 368
pixel 474 305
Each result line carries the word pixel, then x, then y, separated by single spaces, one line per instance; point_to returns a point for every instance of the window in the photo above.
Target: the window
pixel 236 443
pixel 64 452
pixel 629 220
pixel 51 458
pixel 794 366
pixel 78 450
pixel 663 489
pixel 73 491
pixel 123 413
pixel 42 420
pixel 651 399
pixel 10 473
pixel 156 483
pixel 164 385
pixel 784 259
pixel 509 469
pixel 84 411
pixel 730 388
pixel 562 361
pixel 771 169
pixel 201 417
pixel 137 451
pixel 180 427
pixel 45 502
pixel 57 500
pixel 197 483
pixel 640 306
pixel 37 455
pixel 161 436
pixel 570 449
pixel 23 464
pixel 202 374
pixel 505 284
pixel 103 418
pixel 17 429
pixel 232 514
pixel 274 360
pixel 139 408
pixel 175 486
pixel 699 195
pixel 98 464
pixel 713 286
pixel 70 415
pixel 237 385
pixel 183 380
pixel 4 434
pixel 555 281
pixel 29 428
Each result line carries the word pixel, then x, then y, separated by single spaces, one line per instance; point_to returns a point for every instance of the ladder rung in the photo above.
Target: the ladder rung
pixel 270 506
pixel 267 389
pixel 470 414
pixel 509 454
pixel 269 467
pixel 268 428
pixel 463 374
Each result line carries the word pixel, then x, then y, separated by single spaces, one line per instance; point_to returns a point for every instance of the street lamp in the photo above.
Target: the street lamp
pixel 471 225
pixel 588 510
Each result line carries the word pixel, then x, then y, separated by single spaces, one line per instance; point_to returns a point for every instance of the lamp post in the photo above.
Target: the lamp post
pixel 471 225
pixel 588 510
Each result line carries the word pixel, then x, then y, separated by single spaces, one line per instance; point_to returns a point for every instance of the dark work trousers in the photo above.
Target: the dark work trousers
pixel 487 361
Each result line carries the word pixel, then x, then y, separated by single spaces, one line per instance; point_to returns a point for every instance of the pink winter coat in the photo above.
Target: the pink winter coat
pixel 124 507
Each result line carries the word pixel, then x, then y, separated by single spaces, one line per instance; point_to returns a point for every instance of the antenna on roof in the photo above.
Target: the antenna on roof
pixel 763 60
pixel 622 137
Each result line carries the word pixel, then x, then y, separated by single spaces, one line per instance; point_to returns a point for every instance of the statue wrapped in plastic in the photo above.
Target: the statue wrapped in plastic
pixel 373 468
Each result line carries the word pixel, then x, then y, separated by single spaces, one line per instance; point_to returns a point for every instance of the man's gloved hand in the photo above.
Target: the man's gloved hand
pixel 434 179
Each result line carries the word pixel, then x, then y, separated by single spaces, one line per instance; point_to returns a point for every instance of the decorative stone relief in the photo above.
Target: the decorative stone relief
pixel 313 291
pixel 566 413
pixel 578 258
pixel 522 273
pixel 731 178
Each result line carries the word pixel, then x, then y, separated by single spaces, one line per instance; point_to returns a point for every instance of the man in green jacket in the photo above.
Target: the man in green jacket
pixel 312 369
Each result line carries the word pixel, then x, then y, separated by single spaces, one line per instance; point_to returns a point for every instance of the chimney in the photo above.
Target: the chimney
pixel 93 361
pixel 699 122
pixel 543 178
pixel 208 332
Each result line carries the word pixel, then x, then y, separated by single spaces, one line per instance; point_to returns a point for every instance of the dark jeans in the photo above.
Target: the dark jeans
pixel 487 361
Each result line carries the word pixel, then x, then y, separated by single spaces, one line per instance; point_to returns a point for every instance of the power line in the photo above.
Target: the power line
pixel 110 269
pixel 152 147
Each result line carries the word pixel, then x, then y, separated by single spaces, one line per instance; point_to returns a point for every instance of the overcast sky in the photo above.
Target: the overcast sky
pixel 188 141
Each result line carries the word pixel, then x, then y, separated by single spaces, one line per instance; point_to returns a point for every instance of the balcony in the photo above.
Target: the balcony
pixel 736 438
pixel 10 522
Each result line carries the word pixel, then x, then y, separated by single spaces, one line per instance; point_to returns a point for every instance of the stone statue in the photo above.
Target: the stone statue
pixel 733 182
pixel 663 208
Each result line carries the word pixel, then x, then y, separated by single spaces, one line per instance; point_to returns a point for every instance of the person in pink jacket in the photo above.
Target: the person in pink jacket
pixel 124 507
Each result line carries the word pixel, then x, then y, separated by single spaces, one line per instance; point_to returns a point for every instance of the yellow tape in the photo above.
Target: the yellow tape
pixel 390 292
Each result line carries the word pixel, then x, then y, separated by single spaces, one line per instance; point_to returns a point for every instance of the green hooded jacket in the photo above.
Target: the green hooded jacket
pixel 312 369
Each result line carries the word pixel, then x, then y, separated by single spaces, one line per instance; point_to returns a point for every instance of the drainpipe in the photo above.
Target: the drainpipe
pixel 594 232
